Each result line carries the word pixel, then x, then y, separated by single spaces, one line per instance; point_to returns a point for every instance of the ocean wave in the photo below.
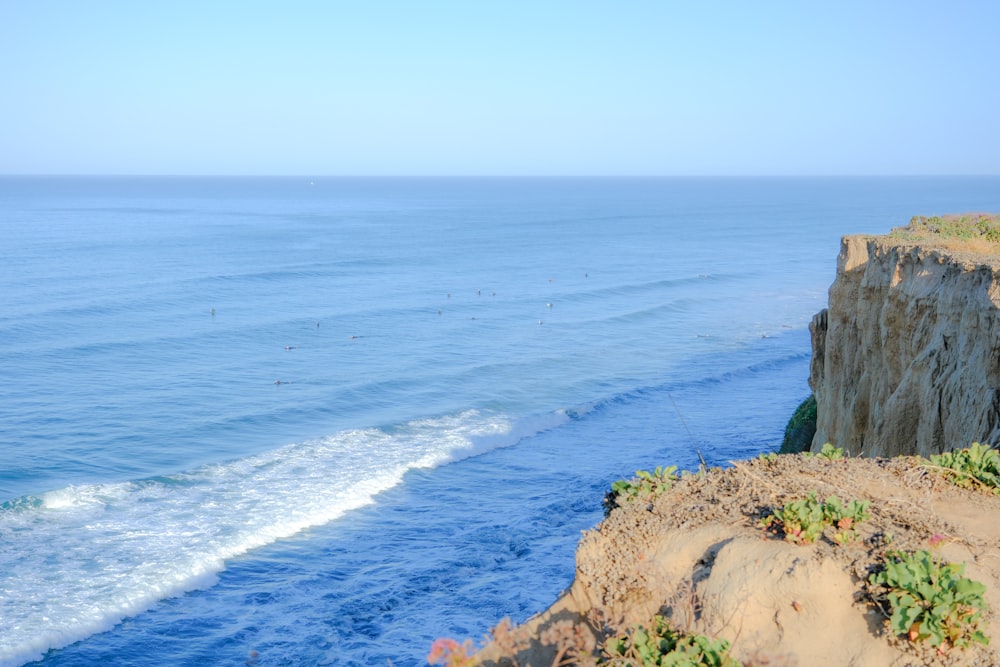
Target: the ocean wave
pixel 86 557
pixel 695 382
pixel 656 286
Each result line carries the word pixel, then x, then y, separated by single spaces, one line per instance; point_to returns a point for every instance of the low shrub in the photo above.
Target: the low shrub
pixel 845 517
pixel 801 428
pixel 828 452
pixel 662 646
pixel 930 600
pixel 977 466
pixel 803 521
pixel 645 485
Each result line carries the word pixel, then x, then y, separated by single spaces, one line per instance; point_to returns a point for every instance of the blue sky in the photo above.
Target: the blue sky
pixel 373 87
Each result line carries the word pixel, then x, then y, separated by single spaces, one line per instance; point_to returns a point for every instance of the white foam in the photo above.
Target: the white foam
pixel 86 557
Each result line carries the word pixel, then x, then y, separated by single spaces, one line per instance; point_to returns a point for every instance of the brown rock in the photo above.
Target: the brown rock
pixel 906 359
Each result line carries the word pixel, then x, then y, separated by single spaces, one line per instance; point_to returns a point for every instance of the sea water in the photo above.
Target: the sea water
pixel 311 421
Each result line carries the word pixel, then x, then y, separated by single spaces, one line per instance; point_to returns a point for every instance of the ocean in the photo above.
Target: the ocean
pixel 324 421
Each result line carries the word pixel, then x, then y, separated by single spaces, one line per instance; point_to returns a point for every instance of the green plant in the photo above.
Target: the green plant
pixel 989 228
pixel 802 521
pixel 931 600
pixel 645 484
pixel 828 452
pixel 662 646
pixel 801 428
pixel 975 466
pixel 965 227
pixel 770 457
pixel 845 517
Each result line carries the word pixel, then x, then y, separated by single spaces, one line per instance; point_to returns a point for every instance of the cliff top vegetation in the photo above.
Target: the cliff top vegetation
pixel 783 561
pixel 977 233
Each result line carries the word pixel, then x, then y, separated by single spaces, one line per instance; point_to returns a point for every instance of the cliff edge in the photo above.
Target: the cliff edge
pixel 906 358
pixel 696 555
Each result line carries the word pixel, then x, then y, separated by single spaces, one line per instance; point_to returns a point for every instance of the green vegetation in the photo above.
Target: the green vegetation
pixel 830 453
pixel 977 466
pixel 845 518
pixel 645 484
pixel 801 428
pixel 931 600
pixel 803 521
pixel 965 227
pixel 663 646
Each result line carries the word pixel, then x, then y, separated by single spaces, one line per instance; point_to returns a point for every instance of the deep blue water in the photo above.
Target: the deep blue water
pixel 465 366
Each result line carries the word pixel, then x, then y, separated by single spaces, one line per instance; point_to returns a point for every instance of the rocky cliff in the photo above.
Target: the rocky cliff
pixel 906 358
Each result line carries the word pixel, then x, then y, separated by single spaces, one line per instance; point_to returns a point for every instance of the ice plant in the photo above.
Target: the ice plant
pixel 803 521
pixel 931 600
pixel 976 466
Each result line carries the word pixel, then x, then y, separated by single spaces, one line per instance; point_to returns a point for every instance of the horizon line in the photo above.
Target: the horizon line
pixel 493 176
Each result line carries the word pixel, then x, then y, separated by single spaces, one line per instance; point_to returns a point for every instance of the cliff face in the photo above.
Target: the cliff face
pixel 906 358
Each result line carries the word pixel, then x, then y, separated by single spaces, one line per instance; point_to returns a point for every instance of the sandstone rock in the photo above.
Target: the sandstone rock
pixel 696 556
pixel 906 358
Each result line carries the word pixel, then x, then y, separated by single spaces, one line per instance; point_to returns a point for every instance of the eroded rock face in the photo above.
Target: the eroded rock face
pixel 906 358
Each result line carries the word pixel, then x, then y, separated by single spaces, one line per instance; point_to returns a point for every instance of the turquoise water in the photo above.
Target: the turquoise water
pixel 327 420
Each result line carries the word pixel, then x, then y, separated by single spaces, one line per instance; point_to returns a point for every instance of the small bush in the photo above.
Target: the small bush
pixel 845 517
pixel 663 646
pixel 977 466
pixel 828 452
pixel 931 600
pixel 645 484
pixel 831 453
pixel 803 521
pixel 801 428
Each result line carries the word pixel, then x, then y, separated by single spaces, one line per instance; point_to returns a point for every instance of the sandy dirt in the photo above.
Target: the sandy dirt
pixel 696 555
